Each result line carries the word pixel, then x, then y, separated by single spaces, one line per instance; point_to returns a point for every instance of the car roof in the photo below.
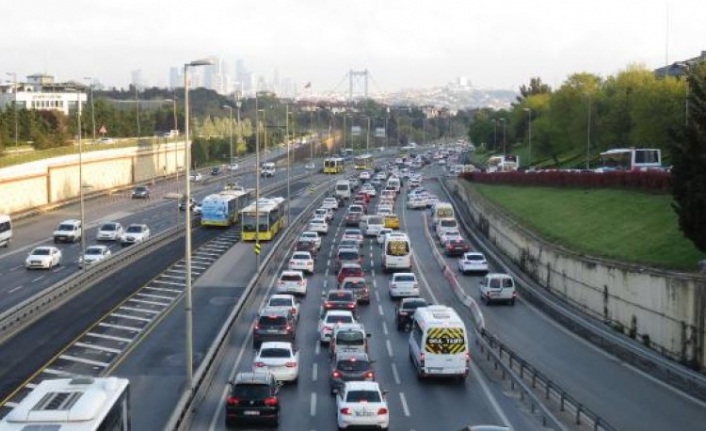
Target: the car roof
pixel 348 249
pixel 253 377
pixel 351 265
pixel 403 273
pixel 273 311
pixel 369 386
pixel 351 354
pixel 70 221
pixel 339 313
pixel 473 253
pixel 354 279
pixel 282 295
pixel 288 272
pixel 98 246
pixel 276 345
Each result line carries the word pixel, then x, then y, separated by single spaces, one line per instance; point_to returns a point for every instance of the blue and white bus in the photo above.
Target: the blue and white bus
pixel 630 159
pixel 223 209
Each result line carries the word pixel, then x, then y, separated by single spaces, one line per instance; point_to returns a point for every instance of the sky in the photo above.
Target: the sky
pixel 496 44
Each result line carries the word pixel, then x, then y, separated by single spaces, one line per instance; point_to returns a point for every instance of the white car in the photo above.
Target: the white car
pixel 448 236
pixel 311 236
pixel 384 210
pixel 324 213
pixel 370 190
pixel 291 282
pixel 382 235
pixel 110 231
pixel 43 257
pixel 403 284
pixel 284 301
pixel 330 319
pixel 93 255
pixel 310 166
pixel 234 167
pixel 354 234
pixel 301 261
pixel 330 203
pixel 135 234
pixel 416 202
pixel 472 262
pixel 318 225
pixel 364 176
pixel 498 288
pixel 68 231
pixel 195 177
pixel 361 404
pixel 278 358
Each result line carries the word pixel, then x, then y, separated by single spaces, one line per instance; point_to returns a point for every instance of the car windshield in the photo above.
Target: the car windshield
pixel 353 365
pixel 280 302
pixel 275 353
pixel 348 255
pixel 66 227
pixel 251 391
pixel 291 277
pixel 134 229
pixel 413 305
pixel 109 227
pixel 41 252
pixel 404 278
pixel 94 251
pixel 338 318
pixel 474 257
pixel 363 396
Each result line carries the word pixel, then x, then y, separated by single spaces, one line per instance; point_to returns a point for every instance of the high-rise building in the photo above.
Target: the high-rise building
pixel 176 78
pixel 136 79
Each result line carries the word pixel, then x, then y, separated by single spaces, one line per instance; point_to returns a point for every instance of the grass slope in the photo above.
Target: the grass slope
pixel 619 224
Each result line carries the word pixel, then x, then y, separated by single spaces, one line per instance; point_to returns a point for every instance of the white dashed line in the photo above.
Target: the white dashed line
pixel 404 404
pixel 395 374
pixel 15 289
pixel 328 262
pixel 325 284
pixel 372 271
pixel 317 348
pixel 389 347
pixel 326 274
pixel 375 284
pixel 315 371
pixel 380 310
pixel 312 411
pixel 377 296
pixel 37 279
pixel 384 328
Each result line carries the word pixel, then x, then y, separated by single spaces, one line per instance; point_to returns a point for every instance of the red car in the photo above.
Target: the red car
pixel 349 270
pixel 363 195
pixel 456 247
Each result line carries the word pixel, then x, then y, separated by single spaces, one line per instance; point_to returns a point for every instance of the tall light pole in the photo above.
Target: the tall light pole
pixel 529 132
pixel 188 304
pixel 367 138
pixel 504 141
pixel 238 105
pixel 14 106
pixel 495 134
pixel 344 130
pixel 176 148
pixel 230 159
pixel 588 135
pixel 137 111
pixel 93 107
pixel 286 140
pixel 257 182
pixel 80 181
pixel 686 69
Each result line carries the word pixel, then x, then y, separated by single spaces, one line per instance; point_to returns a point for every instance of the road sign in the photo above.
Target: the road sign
pixel 103 130
pixel 257 248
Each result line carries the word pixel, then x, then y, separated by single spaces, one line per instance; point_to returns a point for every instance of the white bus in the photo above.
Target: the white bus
pixel 505 163
pixel 78 404
pixel 5 230
pixel 630 159
pixel 438 343
pixel 397 253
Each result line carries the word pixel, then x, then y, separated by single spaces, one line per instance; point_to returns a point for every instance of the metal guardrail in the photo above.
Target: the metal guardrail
pixel 203 377
pixel 648 361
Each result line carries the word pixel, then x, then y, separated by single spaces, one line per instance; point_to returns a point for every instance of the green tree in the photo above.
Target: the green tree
pixel 689 163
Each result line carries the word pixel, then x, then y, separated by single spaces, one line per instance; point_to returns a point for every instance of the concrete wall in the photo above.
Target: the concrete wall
pixel 53 181
pixel 665 308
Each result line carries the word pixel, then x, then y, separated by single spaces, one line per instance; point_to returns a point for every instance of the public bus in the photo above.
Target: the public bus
pixel 223 209
pixel 630 159
pixel 76 404
pixel 265 221
pixel 334 165
pixel 364 161
pixel 504 163
pixel 347 153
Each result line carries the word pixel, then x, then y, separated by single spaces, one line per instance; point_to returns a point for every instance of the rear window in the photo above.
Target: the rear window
pixel 280 302
pixel 405 278
pixel 353 365
pixel 413 305
pixel 351 285
pixel 109 227
pixel 474 257
pixel 355 209
pixel 348 255
pixel 291 277
pixel 448 223
pixel 339 319
pixel 363 396
pixel 397 248
pixel 275 353
pixel 272 321
pixel 66 227
pixel 251 391
pixel 375 220
pixel 342 187
pixel 350 338
pixel 301 256
pixel 134 229
pixel 341 295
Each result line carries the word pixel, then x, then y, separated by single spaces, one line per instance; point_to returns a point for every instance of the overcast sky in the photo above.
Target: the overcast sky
pixel 403 43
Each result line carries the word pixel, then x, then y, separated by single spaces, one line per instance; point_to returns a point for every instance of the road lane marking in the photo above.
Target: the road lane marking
pixel 37 279
pixel 377 296
pixel 312 411
pixel 395 374
pixel 325 284
pixel 15 289
pixel 384 328
pixel 380 310
pixel 372 271
pixel 315 372
pixel 389 347
pixel 326 273
pixel 375 284
pixel 404 404
pixel 317 348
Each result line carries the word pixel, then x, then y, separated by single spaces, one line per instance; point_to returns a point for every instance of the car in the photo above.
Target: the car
pixel 403 284
pixel 43 257
pixel 311 236
pixel 195 177
pixel 233 167
pixel 278 358
pixel 68 231
pixel 348 337
pixel 369 190
pixel 382 235
pixel 183 205
pixel 456 247
pixel 216 170
pixel 472 262
pixel 197 209
pixel 93 255
pixel 496 287
pixel 346 255
pixel 140 192
pixel 384 210
pixel 416 202
pixel 404 312
pixel 330 319
pixel 325 213
pixel 318 225
pixel 350 366
pixel 349 270
pixel 432 200
pixel 391 221
pixel 291 282
pixel 310 166
pixel 361 404
pixel 273 324
pixel 330 203
pixel 110 231
pixel 376 181
pixel 359 286
pixel 348 243
pixel 364 196
pixel 354 234
pixel 284 301
pixel 252 398
pixel 306 245
pixel 338 299
pixel 353 216
pixel 135 233
pixel 364 176
pixel 449 236
pixel 301 261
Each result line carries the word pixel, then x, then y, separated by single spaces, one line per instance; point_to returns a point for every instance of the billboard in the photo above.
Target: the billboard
pixel 355 130
pixel 380 132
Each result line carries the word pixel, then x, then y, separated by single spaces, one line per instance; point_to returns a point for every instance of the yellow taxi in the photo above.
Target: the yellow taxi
pixel 392 221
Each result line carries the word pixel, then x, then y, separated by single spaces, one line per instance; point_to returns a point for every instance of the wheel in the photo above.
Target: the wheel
pixel 512 302
pixel 230 423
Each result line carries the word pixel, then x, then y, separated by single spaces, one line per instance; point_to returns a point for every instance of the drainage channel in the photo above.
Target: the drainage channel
pixel 104 342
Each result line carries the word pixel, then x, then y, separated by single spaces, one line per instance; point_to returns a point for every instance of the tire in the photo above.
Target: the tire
pixel 512 302
pixel 230 423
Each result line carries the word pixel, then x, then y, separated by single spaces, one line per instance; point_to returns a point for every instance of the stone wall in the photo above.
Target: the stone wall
pixel 663 309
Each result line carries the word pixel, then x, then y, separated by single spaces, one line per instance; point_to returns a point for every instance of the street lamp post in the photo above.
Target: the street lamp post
pixel 286 140
pixel 93 107
pixel 495 134
pixel 686 68
pixel 504 141
pixel 230 159
pixel 14 106
pixel 80 182
pixel 257 183
pixel 529 132
pixel 238 105
pixel 176 149
pixel 367 138
pixel 588 135
pixel 188 304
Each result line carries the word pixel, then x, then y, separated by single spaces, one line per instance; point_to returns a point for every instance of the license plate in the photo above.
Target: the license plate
pixel 365 413
pixel 434 370
pixel 251 413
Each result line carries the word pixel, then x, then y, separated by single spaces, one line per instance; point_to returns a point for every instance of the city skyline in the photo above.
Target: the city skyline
pixel 404 44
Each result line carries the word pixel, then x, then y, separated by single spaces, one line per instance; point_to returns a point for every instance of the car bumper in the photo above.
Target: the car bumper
pixel 281 374
pixel 298 290
pixel 473 268
pixel 404 293
pixel 382 421
pixel 304 268
pixel 37 265
pixel 245 415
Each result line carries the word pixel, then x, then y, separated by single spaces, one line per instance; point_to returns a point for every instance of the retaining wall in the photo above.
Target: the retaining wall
pixel 663 309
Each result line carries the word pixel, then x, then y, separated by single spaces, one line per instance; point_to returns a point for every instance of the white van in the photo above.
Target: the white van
pixel 268 169
pixel 395 182
pixel 397 253
pixel 438 343
pixel 441 210
pixel 5 230
pixel 444 225
pixel 343 189
pixel 371 225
